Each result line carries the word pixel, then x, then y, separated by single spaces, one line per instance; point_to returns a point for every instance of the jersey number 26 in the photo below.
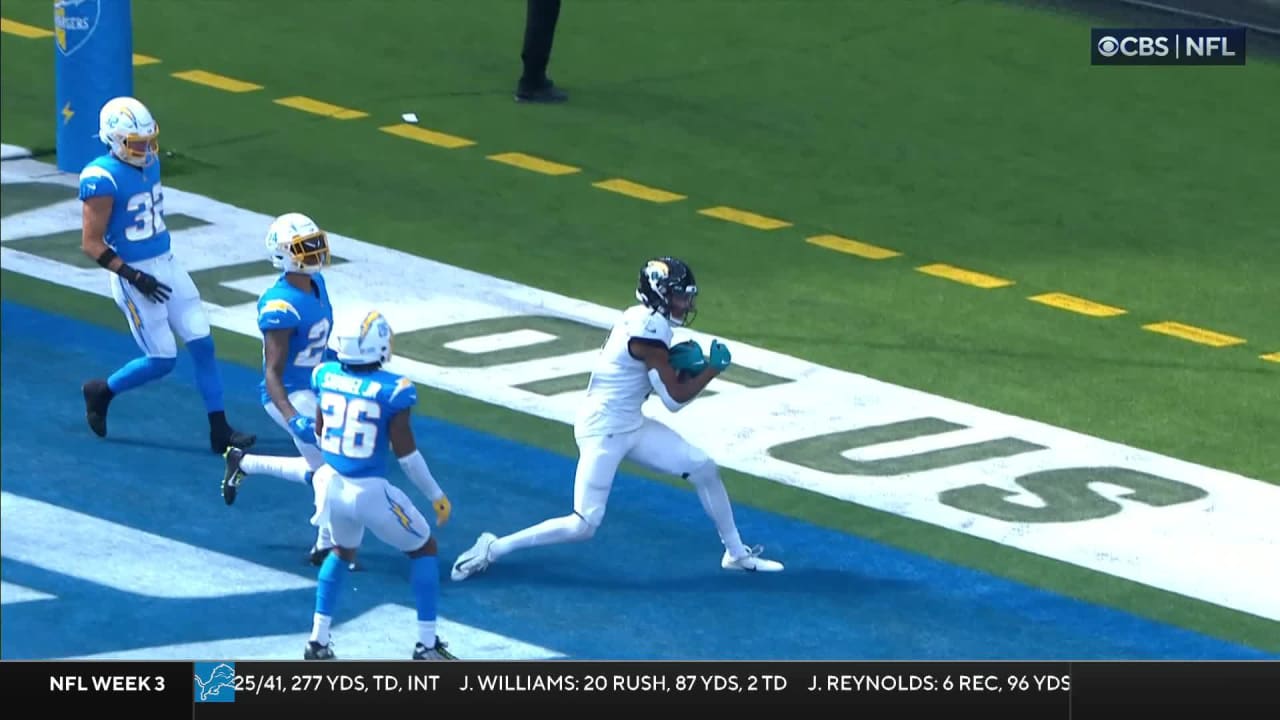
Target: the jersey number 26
pixel 347 428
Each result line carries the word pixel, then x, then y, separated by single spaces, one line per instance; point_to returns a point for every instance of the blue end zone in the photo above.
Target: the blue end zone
pixel 647 586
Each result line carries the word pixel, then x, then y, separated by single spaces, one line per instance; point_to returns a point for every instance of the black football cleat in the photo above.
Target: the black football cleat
pixel 439 652
pixel 232 476
pixel 546 93
pixel 221 440
pixel 316 651
pixel 97 398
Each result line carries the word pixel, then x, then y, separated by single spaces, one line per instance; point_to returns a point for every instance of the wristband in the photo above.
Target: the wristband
pixel 106 257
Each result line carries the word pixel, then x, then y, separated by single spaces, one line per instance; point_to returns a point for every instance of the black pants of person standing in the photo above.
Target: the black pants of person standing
pixel 539 35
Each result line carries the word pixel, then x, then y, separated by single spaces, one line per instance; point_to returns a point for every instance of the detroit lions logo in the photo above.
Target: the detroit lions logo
pixel 74 22
pixel 215 682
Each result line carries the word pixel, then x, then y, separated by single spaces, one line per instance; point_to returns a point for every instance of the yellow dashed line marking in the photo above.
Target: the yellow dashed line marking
pixel 1075 304
pixel 1194 334
pixel 742 217
pixel 1271 357
pixel 221 82
pixel 852 247
pixel 13 27
pixel 317 107
pixel 431 137
pixel 967 277
pixel 636 190
pixel 529 162
pixel 140 59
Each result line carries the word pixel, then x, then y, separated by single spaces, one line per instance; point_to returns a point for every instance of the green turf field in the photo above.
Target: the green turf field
pixel 971 134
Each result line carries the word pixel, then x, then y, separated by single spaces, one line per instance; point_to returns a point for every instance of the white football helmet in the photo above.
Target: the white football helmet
pixel 363 339
pixel 127 127
pixel 296 244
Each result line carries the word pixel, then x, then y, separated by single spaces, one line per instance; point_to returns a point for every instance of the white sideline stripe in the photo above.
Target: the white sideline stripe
pixel 11 593
pixel 139 562
pixel 387 632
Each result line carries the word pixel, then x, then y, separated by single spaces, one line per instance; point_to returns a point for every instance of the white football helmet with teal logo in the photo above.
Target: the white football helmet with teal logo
pixel 296 244
pixel 363 339
pixel 126 126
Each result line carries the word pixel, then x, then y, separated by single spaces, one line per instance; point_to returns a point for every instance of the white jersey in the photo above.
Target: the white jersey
pixel 619 382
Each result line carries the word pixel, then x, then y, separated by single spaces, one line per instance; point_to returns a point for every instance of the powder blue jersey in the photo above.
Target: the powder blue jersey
pixel 357 408
pixel 308 317
pixel 136 229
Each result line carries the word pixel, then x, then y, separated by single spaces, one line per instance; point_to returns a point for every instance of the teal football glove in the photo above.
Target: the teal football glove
pixel 720 357
pixel 687 357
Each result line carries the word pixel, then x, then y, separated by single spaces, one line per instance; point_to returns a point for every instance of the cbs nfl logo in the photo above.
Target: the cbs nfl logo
pixel 1168 46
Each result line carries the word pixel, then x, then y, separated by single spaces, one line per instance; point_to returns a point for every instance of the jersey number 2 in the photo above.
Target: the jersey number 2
pixel 347 430
pixel 317 341
pixel 148 218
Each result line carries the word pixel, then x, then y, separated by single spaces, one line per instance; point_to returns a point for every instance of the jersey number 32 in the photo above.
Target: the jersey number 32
pixel 348 431
pixel 148 218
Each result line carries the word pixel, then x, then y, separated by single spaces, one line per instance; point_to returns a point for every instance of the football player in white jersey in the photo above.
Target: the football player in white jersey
pixel 635 361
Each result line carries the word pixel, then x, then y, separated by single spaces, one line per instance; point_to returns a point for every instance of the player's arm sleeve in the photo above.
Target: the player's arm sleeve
pixel 415 468
pixel 96 181
pixel 316 375
pixel 660 389
pixel 278 315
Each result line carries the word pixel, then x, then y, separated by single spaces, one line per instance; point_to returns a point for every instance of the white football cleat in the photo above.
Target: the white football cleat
pixel 751 562
pixel 474 560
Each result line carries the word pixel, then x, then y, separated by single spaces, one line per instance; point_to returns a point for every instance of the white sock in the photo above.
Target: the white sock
pixel 294 469
pixel 427 633
pixel 320 629
pixel 715 501
pixel 548 532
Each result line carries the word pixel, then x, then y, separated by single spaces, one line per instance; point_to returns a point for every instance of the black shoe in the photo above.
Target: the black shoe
pixel 97 397
pixel 439 652
pixel 316 555
pixel 546 92
pixel 316 651
pixel 221 440
pixel 233 475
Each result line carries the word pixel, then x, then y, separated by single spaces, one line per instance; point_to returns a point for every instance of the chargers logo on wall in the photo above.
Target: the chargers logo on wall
pixel 74 22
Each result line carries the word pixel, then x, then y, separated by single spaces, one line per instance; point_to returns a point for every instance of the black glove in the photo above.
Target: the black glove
pixel 147 284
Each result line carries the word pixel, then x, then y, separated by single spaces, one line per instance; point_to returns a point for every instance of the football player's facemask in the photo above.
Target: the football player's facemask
pixel 296 244
pixel 667 286
pixel 127 127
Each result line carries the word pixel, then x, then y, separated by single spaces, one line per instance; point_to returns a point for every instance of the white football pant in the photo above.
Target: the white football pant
pixel 654 446
pixel 154 324
pixel 350 505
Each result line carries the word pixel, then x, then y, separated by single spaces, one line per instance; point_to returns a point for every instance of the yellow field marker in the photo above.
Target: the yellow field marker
pixel 13 27
pixel 1271 357
pixel 430 137
pixel 636 190
pixel 742 217
pixel 221 82
pixel 1194 334
pixel 529 162
pixel 140 59
pixel 967 277
pixel 1075 304
pixel 316 107
pixel 852 247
